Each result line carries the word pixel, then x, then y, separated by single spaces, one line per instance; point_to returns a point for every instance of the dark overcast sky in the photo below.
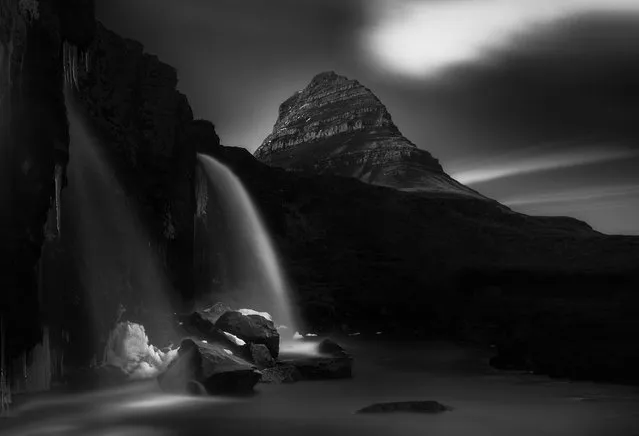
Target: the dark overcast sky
pixel 533 103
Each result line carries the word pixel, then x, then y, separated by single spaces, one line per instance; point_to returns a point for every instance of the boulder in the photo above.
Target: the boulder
pixel 201 324
pixel 333 362
pixel 327 346
pixel 211 366
pixel 253 329
pixel 261 356
pixel 216 310
pixel 281 373
pixel 406 406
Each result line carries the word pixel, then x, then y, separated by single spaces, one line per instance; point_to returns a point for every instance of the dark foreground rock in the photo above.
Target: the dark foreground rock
pixel 328 346
pixel 201 324
pixel 406 406
pixel 210 366
pixel 281 373
pixel 215 311
pixel 333 362
pixel 253 329
pixel 261 356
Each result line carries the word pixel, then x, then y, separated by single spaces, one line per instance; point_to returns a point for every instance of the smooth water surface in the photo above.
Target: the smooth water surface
pixel 485 402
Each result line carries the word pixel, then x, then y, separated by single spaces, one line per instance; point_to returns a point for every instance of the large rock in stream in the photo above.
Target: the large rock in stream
pixel 331 362
pixel 254 329
pixel 209 368
pixel 202 324
pixel 406 406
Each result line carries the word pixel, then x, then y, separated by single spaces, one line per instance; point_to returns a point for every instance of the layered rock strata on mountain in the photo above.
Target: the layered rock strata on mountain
pixel 337 126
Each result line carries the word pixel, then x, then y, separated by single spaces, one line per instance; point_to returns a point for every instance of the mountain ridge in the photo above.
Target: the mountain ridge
pixel 335 125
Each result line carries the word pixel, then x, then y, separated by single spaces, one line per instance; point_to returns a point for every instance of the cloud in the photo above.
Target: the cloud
pixel 549 161
pixel 588 195
pixel 419 38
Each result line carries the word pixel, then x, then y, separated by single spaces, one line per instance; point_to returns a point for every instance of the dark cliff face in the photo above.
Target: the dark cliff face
pixel 337 126
pixel 128 101
pixel 145 133
pixel 34 143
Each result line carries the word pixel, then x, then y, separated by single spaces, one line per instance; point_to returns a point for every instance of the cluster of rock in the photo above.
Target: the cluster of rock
pixel 337 126
pixel 228 352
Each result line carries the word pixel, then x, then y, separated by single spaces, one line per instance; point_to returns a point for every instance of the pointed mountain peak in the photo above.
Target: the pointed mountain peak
pixel 328 76
pixel 337 126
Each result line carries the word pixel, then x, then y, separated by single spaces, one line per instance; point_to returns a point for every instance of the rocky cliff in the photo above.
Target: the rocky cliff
pixel 337 126
pixel 34 142
pixel 52 55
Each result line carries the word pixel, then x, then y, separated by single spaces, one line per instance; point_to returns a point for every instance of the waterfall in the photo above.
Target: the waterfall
pixel 121 263
pixel 36 367
pixel 201 193
pixel 259 279
pixel 73 62
pixel 58 191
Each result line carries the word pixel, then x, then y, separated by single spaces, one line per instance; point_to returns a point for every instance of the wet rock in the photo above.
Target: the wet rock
pixel 201 324
pixel 327 346
pixel 406 406
pixel 333 362
pixel 261 356
pixel 281 373
pixel 254 329
pixel 211 366
pixel 215 311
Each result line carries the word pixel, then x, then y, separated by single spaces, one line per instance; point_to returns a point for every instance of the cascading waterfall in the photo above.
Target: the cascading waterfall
pixel 260 282
pixel 74 61
pixel 58 194
pixel 201 193
pixel 38 364
pixel 122 264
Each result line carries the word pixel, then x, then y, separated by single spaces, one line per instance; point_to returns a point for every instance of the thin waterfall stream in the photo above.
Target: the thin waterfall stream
pixel 259 279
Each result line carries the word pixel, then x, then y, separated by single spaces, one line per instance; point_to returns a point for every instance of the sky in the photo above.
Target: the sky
pixel 534 103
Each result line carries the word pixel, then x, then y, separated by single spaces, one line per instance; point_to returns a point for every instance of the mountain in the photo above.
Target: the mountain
pixel 337 126
pixel 361 257
pixel 430 254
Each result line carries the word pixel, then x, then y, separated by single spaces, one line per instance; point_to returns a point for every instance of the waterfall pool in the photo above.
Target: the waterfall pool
pixel 485 402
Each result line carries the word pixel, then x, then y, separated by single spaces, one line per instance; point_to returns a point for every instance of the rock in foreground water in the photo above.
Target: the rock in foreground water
pixel 261 356
pixel 281 373
pixel 406 406
pixel 210 365
pixel 333 362
pixel 202 324
pixel 254 329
